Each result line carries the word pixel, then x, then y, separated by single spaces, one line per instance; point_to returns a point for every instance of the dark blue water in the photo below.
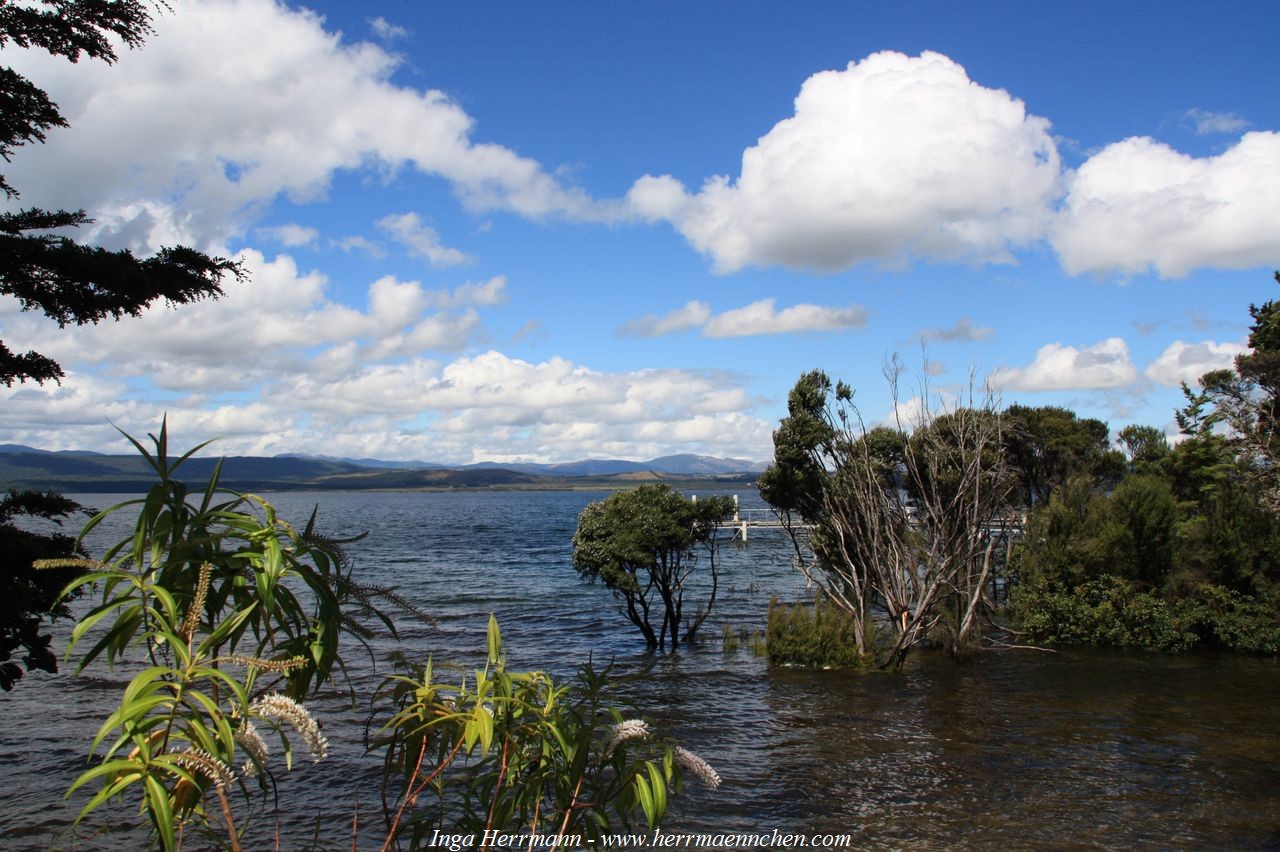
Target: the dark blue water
pixel 1013 749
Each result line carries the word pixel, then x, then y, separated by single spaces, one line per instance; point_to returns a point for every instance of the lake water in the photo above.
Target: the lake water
pixel 1011 749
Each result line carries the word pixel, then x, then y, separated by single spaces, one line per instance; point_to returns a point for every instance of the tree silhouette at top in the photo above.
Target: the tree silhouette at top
pixel 72 283
pixel 42 267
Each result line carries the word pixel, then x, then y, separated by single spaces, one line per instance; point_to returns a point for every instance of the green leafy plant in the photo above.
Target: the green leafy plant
pixel 237 615
pixel 514 752
pixel 1110 610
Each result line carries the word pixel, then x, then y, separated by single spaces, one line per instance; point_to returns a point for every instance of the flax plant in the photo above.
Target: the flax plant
pixel 516 753
pixel 237 615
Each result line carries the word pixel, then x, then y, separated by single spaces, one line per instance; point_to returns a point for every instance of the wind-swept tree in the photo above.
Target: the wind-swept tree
pixel 646 545
pixel 40 266
pixel 1246 401
pixel 895 519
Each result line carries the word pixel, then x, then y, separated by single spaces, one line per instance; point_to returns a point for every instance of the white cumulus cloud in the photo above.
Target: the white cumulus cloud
pixel 233 103
pixel 280 324
pixel 1057 367
pixel 1139 204
pixel 1187 362
pixel 891 158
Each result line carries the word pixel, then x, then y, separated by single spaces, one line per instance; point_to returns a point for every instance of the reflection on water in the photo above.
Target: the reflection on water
pixel 1010 749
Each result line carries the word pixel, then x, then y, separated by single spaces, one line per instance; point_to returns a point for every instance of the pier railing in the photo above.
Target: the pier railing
pixel 747 519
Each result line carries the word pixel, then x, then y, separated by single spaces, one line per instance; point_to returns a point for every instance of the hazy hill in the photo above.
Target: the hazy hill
pixel 28 467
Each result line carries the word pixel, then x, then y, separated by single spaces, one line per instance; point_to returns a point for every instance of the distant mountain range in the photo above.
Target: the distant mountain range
pixel 683 464
pixel 76 470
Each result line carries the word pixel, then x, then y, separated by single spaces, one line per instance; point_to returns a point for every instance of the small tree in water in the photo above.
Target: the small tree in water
pixel 645 545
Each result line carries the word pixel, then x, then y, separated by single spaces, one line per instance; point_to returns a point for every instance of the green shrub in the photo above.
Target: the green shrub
pixel 1227 619
pixel 1110 610
pixel 731 640
pixel 820 635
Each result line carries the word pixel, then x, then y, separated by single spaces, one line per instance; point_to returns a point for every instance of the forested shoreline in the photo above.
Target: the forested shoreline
pixel 1148 542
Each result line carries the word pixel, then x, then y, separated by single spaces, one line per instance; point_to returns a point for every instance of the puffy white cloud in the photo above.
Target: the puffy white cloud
pixel 235 102
pixel 483 293
pixel 1139 204
pixel 760 317
pixel 280 323
pixel 1187 362
pixel 472 408
pixel 962 329
pixel 656 199
pixel 763 317
pixel 1057 367
pixel 421 240
pixel 890 158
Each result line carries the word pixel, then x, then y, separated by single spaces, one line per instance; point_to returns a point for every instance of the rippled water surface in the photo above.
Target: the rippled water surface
pixel 1012 749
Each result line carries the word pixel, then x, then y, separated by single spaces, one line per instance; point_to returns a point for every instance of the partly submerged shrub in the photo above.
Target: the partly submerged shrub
pixel 1113 611
pixel 817 635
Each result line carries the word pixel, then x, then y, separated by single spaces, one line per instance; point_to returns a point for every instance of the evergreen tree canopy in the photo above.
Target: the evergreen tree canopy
pixel 47 270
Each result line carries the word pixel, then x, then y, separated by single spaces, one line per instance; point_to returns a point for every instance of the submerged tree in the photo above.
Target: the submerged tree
pixel 646 545
pixel 49 271
pixel 902 520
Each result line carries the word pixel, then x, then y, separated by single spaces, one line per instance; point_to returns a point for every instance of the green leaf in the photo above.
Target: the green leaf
pixel 107 768
pixel 658 786
pixel 495 640
pixel 112 789
pixel 93 617
pixel 484 726
pixel 641 786
pixel 228 626
pixel 157 802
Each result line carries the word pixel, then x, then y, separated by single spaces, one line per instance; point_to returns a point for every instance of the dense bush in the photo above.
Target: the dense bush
pixel 820 635
pixel 1110 610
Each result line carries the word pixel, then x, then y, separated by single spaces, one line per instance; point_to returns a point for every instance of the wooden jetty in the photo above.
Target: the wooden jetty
pixel 744 520
pixel 748 519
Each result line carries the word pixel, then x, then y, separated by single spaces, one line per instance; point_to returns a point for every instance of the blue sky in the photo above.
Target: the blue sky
pixel 550 232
